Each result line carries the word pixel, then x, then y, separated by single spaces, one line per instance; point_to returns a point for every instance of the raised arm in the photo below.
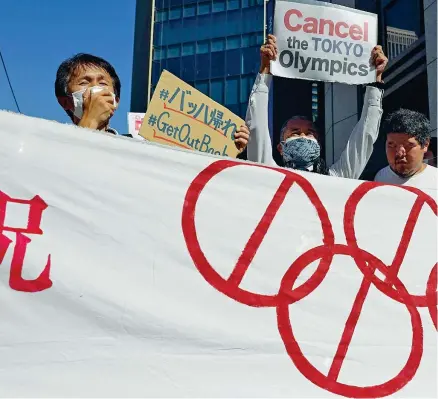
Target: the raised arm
pixel 360 146
pixel 260 145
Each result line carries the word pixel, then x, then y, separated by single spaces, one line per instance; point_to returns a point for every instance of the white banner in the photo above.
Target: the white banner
pixel 131 269
pixel 323 41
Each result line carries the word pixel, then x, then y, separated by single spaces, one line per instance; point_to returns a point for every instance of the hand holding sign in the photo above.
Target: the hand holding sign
pixel 380 61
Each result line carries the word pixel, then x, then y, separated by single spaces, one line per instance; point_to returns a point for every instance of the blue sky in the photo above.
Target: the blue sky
pixel 37 35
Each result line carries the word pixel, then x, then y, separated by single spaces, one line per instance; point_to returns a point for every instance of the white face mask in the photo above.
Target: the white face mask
pixel 78 100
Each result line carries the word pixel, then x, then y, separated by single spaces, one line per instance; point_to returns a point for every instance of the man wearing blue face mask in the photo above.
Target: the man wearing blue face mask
pixel 299 139
pixel 88 89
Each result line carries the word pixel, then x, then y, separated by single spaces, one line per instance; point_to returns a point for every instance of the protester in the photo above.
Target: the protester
pixel 299 137
pixel 430 157
pixel 407 140
pixel 88 89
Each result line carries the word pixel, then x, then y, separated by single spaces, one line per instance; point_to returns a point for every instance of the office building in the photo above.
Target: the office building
pixel 398 41
pixel 212 45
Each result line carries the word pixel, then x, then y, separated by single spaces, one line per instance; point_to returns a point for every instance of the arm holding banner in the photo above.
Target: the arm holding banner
pixel 259 145
pixel 360 144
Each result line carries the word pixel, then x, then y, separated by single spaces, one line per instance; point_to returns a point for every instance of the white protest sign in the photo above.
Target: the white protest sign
pixel 323 41
pixel 128 269
pixel 135 119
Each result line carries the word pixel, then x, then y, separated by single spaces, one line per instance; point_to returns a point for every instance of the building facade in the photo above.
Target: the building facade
pixel 212 45
pixel 408 35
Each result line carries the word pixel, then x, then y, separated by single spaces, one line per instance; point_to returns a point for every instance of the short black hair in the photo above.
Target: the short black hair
pixel 413 123
pixel 66 69
pixel 294 118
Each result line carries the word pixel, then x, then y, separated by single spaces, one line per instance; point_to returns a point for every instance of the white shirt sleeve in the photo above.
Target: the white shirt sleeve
pixel 359 148
pixel 259 147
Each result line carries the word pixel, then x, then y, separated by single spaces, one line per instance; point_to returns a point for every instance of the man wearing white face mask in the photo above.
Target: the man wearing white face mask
pixel 88 89
pixel 299 139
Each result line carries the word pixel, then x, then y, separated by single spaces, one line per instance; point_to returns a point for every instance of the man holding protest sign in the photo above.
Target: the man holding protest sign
pixel 299 140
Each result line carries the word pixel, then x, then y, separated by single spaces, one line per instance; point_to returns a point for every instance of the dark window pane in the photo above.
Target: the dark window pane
pixel 232 91
pixel 217 90
pixel 173 3
pixel 203 47
pixel 250 60
pixel 190 30
pixel 234 62
pixel 234 23
pixel 202 86
pixel 158 28
pixel 158 53
pixel 204 8
pixel 233 42
pixel 174 51
pixel 218 64
pixel 246 83
pixel 175 13
pixel 235 109
pixel 218 5
pixel 188 48
pixel 202 66
pixel 161 16
pixel 218 25
pixel 245 3
pixel 156 72
pixel 174 66
pixel 233 4
pixel 246 40
pixel 188 68
pixel 259 39
pixel 189 10
pixel 217 45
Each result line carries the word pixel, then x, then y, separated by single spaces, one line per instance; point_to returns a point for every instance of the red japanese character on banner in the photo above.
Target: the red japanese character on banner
pixel 16 280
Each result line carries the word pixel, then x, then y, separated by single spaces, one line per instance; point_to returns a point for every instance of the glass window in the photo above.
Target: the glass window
pixel 202 86
pixel 202 66
pixel 204 8
pixel 233 4
pixel 246 40
pixel 232 91
pixel 234 23
pixel 174 66
pixel 245 87
pixel 173 3
pixel 259 38
pixel 161 16
pixel 158 31
pixel 217 65
pixel 217 45
pixel 188 48
pixel 156 72
pixel 189 10
pixel 233 42
pixel 234 62
pixel 188 68
pixel 217 90
pixel 219 25
pixel 250 60
pixel 157 53
pixel 203 47
pixel 175 13
pixel 218 5
pixel 245 3
pixel 190 30
pixel 174 51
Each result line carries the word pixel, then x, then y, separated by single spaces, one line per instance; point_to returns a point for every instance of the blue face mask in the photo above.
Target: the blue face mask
pixel 300 153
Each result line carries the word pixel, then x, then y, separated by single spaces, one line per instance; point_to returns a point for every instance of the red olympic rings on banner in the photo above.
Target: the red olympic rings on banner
pixel 287 295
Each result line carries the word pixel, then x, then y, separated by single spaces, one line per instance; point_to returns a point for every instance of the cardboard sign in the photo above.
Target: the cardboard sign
pixel 166 273
pixel 323 41
pixel 182 116
pixel 135 119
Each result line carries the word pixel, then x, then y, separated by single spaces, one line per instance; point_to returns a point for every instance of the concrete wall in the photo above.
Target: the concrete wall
pixel 430 25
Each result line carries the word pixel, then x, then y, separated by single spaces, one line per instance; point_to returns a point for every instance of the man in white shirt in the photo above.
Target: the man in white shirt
pixel 299 141
pixel 407 140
